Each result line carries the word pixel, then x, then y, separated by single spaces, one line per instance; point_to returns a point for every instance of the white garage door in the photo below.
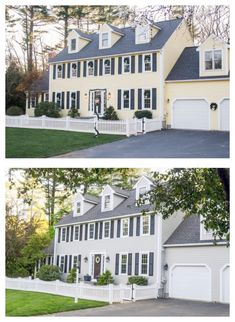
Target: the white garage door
pixel 190 282
pixel 191 114
pixel 224 115
pixel 225 284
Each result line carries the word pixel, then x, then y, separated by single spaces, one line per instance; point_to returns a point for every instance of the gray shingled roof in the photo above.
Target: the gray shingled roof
pixel 120 191
pixel 91 198
pixel 187 66
pixel 188 232
pixel 127 207
pixel 42 83
pixel 126 44
pixel 83 34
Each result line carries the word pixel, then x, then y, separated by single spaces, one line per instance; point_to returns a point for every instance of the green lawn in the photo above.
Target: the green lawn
pixel 36 143
pixel 24 303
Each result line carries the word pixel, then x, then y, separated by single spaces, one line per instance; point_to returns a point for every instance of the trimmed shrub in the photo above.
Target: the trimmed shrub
pixel 72 276
pixel 49 109
pixel 15 111
pixel 105 279
pixel 49 273
pixel 17 272
pixel 74 113
pixel 110 114
pixel 141 114
pixel 138 280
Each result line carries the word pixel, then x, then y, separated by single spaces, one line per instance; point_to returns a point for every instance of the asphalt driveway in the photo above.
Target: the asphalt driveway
pixel 162 144
pixel 159 307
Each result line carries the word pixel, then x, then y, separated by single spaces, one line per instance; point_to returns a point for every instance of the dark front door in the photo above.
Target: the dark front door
pixel 97 265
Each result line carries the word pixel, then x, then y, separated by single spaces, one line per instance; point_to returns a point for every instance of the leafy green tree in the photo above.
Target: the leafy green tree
pixel 110 114
pixel 200 191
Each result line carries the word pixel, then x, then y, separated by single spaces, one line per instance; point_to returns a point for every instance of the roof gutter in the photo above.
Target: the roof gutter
pixel 195 244
pixel 196 80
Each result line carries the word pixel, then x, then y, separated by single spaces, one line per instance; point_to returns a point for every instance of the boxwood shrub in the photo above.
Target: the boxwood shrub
pixel 49 109
pixel 49 273
pixel 138 280
pixel 141 114
pixel 15 111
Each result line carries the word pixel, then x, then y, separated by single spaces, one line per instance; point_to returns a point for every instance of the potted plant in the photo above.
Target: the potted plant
pixel 87 278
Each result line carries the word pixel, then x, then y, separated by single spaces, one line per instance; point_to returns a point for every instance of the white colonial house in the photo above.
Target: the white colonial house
pixel 111 233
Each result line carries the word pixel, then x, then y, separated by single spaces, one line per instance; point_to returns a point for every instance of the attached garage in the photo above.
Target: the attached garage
pixel 224 115
pixel 191 114
pixel 190 281
pixel 225 281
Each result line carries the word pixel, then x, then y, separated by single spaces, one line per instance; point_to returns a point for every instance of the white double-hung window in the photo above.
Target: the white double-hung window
pixel 58 99
pixel 59 71
pixel 126 98
pixel 126 65
pixel 91 231
pixel 147 98
pixel 104 39
pixel 145 225
pixel 63 234
pixel 107 66
pixel 90 68
pixel 213 59
pixel 62 263
pixel 125 227
pixel 147 63
pixel 123 264
pixel 76 232
pixel 74 70
pixel 144 260
pixel 106 229
pixel 73 97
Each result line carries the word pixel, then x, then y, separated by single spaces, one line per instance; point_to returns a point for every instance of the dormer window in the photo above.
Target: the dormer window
pixel 59 71
pixel 107 202
pixel 213 59
pixel 105 39
pixel 78 208
pixel 90 68
pixel 74 70
pixel 73 44
pixel 147 62
pixel 142 34
pixel 107 67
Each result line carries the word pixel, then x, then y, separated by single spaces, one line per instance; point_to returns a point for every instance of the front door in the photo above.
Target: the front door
pixel 97 101
pixel 97 265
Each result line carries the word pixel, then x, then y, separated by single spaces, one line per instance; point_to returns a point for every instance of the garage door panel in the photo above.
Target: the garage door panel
pixel 191 114
pixel 191 282
pixel 224 115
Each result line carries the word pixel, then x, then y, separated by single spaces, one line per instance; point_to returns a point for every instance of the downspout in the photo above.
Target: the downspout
pixel 162 83
pixel 159 251
pixel 55 238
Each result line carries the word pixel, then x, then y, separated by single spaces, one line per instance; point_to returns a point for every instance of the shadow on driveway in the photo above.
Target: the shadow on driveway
pixel 162 144
pixel 159 307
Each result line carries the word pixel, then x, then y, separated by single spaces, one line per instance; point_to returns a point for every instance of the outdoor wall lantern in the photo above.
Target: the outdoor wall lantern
pixel 85 259
pixel 165 267
pixel 168 100
pixel 85 95
pixel 109 95
pixel 213 106
pixel 107 259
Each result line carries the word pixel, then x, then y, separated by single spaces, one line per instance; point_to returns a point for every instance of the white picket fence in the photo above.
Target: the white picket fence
pixel 108 293
pixel 120 127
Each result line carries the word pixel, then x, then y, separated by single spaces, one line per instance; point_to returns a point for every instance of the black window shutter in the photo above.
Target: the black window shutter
pixel 132 99
pixel 70 262
pixel 112 66
pixel 58 260
pixel 68 70
pixel 151 262
pixel 118 227
pixel 42 97
pixel 140 63
pixel 78 69
pixel 65 263
pixel 86 231
pixel 119 65
pixel 101 230
pixel 71 233
pixel 59 232
pixel 119 102
pixel 78 99
pixel 112 229
pixel 129 264
pixel 117 265
pixel 54 71
pixel 132 64
pixel 80 263
pixel 101 67
pixel 152 224
pixel 154 57
pixel 139 98
pixel 136 263
pixel 80 232
pixel 154 98
pixel 131 227
pixel 53 97
pixel 96 67
pixel 62 100
pixel 137 226
pixel 84 69
pixel 67 234
pixel 68 100
pixel 63 72
pixel 36 99
pixel 96 230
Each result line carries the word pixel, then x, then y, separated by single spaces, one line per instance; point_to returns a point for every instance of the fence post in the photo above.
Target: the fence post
pixel 121 293
pixel 21 120
pixel 136 126
pixel 127 128
pixel 67 122
pixel 110 293
pixel 134 293
pixel 43 121
pixel 144 125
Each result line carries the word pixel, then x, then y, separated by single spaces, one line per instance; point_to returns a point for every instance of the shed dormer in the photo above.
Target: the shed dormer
pixel 83 203
pixel 111 197
pixel 213 57
pixel 142 186
pixel 145 32
pixel 108 36
pixel 77 40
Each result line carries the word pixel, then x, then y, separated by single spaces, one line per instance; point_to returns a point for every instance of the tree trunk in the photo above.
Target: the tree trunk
pixel 31 37
pixel 225 180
